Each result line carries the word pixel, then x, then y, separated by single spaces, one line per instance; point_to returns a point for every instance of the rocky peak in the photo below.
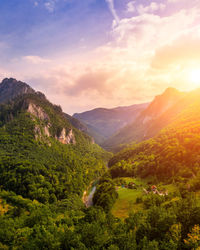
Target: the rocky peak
pixel 161 103
pixel 11 88
pixel 171 91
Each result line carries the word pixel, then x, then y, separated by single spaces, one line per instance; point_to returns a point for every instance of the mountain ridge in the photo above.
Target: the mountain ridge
pixel 140 129
pixel 11 88
pixel 103 122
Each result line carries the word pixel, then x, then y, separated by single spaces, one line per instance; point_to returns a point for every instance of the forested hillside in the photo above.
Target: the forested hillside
pixel 172 155
pixel 43 160
pixel 46 164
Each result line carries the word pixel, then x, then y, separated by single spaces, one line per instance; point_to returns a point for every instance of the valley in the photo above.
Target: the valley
pixel 60 190
pixel 100 125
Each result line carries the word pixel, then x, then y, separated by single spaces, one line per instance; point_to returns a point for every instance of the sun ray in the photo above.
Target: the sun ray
pixel 194 77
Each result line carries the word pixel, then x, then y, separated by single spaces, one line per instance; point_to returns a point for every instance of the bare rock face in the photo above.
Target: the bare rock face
pixel 41 132
pixel 37 132
pixel 38 112
pixel 92 140
pixel 46 130
pixel 66 138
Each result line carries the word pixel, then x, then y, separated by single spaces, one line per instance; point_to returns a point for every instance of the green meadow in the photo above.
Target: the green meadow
pixel 127 198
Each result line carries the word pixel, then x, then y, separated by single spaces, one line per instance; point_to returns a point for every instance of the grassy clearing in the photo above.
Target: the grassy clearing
pixel 126 201
pixel 127 198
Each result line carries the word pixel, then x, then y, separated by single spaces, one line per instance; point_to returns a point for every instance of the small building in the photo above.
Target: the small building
pixel 153 188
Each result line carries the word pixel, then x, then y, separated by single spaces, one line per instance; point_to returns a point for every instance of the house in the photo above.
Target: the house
pixel 153 188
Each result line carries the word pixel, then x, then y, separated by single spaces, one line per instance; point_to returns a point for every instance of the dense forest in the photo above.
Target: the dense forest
pixel 43 177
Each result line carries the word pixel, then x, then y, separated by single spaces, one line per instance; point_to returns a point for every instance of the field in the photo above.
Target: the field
pixel 126 201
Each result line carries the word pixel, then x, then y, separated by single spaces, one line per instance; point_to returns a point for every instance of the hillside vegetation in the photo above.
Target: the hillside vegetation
pixel 172 154
pixel 46 164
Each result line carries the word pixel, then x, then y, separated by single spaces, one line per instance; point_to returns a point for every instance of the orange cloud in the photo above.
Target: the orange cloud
pixel 182 51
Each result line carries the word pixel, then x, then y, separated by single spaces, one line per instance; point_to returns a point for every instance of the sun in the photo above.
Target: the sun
pixel 194 77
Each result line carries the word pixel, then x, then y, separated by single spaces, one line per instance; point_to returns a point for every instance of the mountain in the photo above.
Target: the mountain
pixel 36 139
pixel 47 164
pixel 171 154
pixel 103 123
pixel 150 121
pixel 11 88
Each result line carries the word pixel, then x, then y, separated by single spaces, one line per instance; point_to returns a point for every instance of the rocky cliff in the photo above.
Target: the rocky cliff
pixel 45 130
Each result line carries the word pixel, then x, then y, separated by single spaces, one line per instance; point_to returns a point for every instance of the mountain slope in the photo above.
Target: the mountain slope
pixel 148 123
pixel 102 123
pixel 43 157
pixel 171 155
pixel 10 89
pixel 43 175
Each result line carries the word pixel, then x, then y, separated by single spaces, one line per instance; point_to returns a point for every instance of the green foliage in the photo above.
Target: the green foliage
pixel 171 156
pixel 42 182
pixel 37 170
pixel 105 195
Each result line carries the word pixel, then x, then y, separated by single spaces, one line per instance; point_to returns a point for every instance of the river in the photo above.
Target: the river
pixel 87 199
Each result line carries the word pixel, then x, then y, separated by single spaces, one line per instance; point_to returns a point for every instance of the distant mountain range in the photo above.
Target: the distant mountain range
pixel 159 113
pixel 102 123
pixel 116 128
pixel 124 125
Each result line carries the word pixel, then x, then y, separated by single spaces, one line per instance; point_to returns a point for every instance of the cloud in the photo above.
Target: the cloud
pixel 184 50
pixel 141 9
pixel 50 5
pixel 130 7
pixel 91 81
pixel 150 31
pixel 153 7
pixel 174 1
pixel 140 60
pixel 36 3
pixel 112 9
pixel 35 59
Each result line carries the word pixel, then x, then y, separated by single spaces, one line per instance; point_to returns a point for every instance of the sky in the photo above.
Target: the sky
pixel 84 54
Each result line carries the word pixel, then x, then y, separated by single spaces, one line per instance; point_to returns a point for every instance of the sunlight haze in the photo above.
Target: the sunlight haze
pixel 91 53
